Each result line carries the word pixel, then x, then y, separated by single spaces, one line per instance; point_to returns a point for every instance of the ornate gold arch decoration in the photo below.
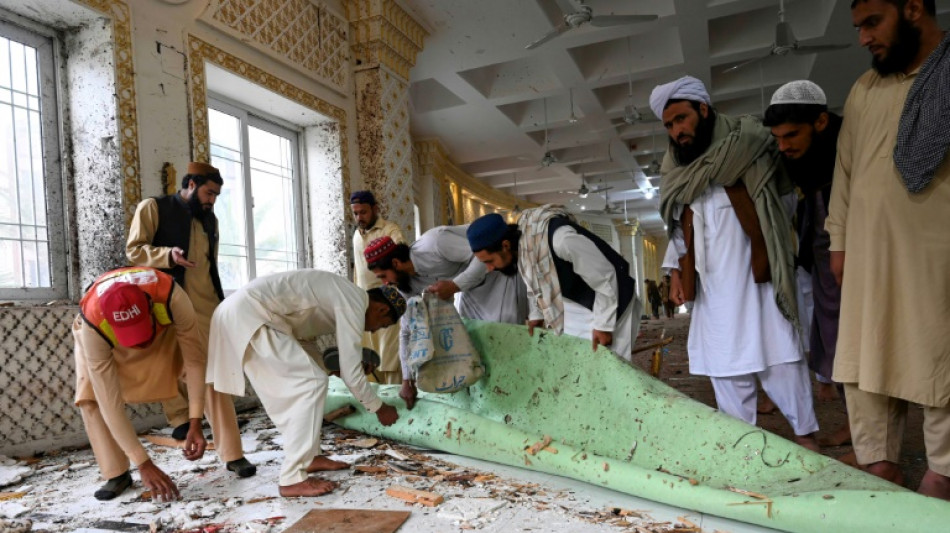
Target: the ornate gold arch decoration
pixel 200 51
pixel 118 12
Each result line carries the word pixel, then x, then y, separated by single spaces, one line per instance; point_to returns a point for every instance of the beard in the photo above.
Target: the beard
pixel 366 225
pixel 701 141
pixel 403 282
pixel 512 267
pixel 197 209
pixel 902 51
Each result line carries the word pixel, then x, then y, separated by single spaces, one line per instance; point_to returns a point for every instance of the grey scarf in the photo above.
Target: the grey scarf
pixel 923 136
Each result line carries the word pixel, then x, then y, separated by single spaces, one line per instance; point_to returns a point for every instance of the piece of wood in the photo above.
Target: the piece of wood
pixel 162 440
pixel 4 496
pixel 663 342
pixel 349 521
pixel 337 413
pixel 429 499
pixel 538 446
pixel 371 469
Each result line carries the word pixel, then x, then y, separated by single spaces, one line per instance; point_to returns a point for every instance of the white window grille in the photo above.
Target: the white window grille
pixel 259 210
pixel 32 218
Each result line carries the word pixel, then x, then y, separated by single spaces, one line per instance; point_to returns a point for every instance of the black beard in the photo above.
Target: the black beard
pixel 369 225
pixel 403 282
pixel 194 205
pixel 704 132
pixel 902 53
pixel 512 267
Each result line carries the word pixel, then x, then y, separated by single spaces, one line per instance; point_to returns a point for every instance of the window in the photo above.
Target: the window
pixel 259 218
pixel 32 240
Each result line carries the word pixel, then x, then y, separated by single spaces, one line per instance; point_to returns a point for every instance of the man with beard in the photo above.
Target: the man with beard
pixel 370 226
pixel 577 284
pixel 178 234
pixel 726 199
pixel 807 135
pixel 890 249
pixel 441 262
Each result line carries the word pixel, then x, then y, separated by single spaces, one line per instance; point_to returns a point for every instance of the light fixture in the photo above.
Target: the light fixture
pixel 648 194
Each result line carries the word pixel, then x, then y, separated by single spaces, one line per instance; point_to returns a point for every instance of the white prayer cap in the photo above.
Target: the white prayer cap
pixel 799 92
pixel 685 88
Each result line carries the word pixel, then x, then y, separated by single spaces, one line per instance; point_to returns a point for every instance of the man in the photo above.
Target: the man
pixel 656 300
pixel 128 352
pixel 577 284
pixel 255 331
pixel 370 226
pixel 731 251
pixel 888 220
pixel 807 136
pixel 441 262
pixel 178 234
pixel 668 305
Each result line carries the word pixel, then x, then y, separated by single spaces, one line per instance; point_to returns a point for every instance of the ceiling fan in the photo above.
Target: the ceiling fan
pixel 583 14
pixel 608 209
pixel 785 43
pixel 548 158
pixel 653 169
pixel 584 192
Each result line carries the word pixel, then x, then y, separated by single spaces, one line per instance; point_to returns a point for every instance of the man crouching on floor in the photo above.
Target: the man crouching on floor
pixel 255 331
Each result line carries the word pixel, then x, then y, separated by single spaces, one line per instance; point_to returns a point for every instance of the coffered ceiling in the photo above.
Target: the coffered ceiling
pixel 498 107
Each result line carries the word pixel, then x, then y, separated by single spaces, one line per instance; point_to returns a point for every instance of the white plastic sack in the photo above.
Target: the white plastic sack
pixel 442 357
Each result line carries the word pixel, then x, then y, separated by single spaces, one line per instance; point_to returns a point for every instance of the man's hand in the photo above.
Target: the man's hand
pixel 837 266
pixel 162 487
pixel 178 258
pixel 601 338
pixel 534 324
pixel 387 415
pixel 677 296
pixel 195 443
pixel 408 393
pixel 444 289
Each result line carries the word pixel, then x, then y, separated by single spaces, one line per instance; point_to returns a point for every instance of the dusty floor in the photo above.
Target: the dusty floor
pixel 55 493
pixel 831 415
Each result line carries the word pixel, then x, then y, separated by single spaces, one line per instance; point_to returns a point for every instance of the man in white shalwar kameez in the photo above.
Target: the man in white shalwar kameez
pixel 441 262
pixel 725 174
pixel 255 331
pixel 577 284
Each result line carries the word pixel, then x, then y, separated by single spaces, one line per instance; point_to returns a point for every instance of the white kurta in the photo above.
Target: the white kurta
pixel 736 326
pixel 302 304
pixel 443 253
pixel 591 265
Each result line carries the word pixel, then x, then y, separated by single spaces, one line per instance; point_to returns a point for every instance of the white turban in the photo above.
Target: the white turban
pixel 799 92
pixel 685 88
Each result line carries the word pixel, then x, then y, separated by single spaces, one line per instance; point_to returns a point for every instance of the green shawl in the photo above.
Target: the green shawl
pixel 742 148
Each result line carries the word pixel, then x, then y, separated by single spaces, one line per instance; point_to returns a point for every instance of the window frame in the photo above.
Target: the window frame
pixel 47 44
pixel 249 117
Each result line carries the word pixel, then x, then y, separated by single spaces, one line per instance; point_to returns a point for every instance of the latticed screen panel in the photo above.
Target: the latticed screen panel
pixel 38 376
pixel 302 32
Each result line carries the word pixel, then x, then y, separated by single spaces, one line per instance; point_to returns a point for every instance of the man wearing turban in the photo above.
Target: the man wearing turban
pixel 726 200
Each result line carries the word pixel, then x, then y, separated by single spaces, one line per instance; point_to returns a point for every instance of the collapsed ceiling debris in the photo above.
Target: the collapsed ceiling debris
pixel 53 492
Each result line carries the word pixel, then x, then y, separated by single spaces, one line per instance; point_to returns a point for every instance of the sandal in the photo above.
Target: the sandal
pixel 114 486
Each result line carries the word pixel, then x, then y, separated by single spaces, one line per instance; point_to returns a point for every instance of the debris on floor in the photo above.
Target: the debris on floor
pixel 54 492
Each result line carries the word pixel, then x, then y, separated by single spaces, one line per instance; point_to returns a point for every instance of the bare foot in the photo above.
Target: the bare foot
pixel 935 485
pixel 839 438
pixel 808 441
pixel 886 470
pixel 850 459
pixel 311 486
pixel 765 406
pixel 322 464
pixel 827 392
